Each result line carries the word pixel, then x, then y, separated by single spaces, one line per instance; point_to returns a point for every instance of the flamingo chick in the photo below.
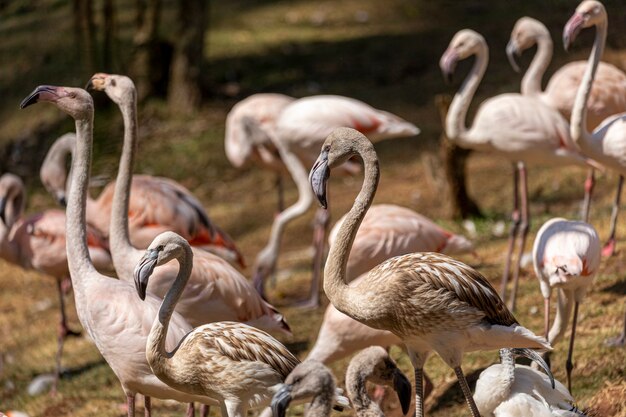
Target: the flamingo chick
pixel 566 256
pixel 430 301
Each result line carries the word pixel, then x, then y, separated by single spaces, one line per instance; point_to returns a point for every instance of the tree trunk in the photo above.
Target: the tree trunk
pixel 85 33
pixel 184 92
pixel 454 162
pixel 109 35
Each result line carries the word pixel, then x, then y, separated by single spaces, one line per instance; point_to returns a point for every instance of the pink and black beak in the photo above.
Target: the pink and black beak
pixel 281 400
pixel 42 93
pixel 512 51
pixel 403 389
pixel 97 82
pixel 3 206
pixel 572 29
pixel 144 270
pixel 318 178
pixel 447 63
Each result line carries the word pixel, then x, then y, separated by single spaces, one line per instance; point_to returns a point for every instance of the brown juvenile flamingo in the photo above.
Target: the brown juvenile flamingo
pixel 109 310
pixel 216 291
pixel 566 256
pixel 246 139
pixel 38 242
pixel 157 204
pixel 299 131
pixel 519 128
pixel 430 301
pixel 607 144
pixel 607 96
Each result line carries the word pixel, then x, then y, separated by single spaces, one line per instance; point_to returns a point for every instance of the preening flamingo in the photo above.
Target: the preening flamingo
pixel 216 291
pixel 237 364
pixel 38 242
pixel 108 309
pixel 566 256
pixel 430 301
pixel 300 130
pixel 607 144
pixel 519 128
pixel 157 204
pixel 509 390
pixel 247 140
pixel 607 96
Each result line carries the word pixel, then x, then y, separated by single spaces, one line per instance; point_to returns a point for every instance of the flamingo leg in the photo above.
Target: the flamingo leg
pixel 130 402
pixel 63 332
pixel 523 231
pixel 281 192
pixel 147 406
pixel 515 221
pixel 466 391
pixel 609 247
pixel 321 222
pixel 191 410
pixel 569 365
pixel 419 392
pixel 205 410
pixel 589 185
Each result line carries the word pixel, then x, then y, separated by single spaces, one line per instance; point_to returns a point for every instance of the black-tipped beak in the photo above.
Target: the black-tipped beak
pixel 143 271
pixel 572 29
pixel 41 93
pixel 319 178
pixel 281 400
pixel 534 356
pixel 402 386
pixel 3 206
pixel 511 52
pixel 62 201
pixel 96 82
pixel 447 63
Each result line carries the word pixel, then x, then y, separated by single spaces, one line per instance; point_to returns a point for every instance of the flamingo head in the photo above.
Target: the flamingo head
pixel 464 44
pixel 526 32
pixel 11 199
pixel 588 13
pixel 119 88
pixel 74 101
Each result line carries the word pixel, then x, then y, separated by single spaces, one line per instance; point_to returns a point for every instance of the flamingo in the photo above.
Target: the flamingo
pixel 108 309
pixel 607 143
pixel 566 256
pixel 246 139
pixel 217 291
pixel 509 390
pixel 607 97
pixel 519 128
pixel 429 300
pixel 157 204
pixel 38 242
pixel 299 131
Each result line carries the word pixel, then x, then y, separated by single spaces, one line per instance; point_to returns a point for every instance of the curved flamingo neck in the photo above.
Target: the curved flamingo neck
pixel 578 123
pixel 156 352
pixel 9 249
pixel 124 255
pixel 335 285
pixel 363 404
pixel 531 83
pixel 456 129
pixel 80 266
pixel 298 172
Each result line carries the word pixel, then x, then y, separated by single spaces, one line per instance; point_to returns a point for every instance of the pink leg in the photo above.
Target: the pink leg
pixel 147 409
pixel 589 184
pixel 569 365
pixel 191 410
pixel 322 220
pixel 204 410
pixel 619 341
pixel 130 401
pixel 609 247
pixel 515 221
pixel 523 232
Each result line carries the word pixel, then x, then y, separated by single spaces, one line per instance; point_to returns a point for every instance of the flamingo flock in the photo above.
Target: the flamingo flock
pixel 161 290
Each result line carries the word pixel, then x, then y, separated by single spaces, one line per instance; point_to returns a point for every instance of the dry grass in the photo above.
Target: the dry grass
pixel 300 48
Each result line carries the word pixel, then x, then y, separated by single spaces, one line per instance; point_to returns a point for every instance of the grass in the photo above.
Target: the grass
pixel 383 53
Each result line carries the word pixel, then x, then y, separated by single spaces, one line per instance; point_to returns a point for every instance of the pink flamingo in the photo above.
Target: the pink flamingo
pixel 519 128
pixel 38 242
pixel 299 131
pixel 216 290
pixel 246 139
pixel 607 96
pixel 157 204
pixel 607 144
pixel 566 256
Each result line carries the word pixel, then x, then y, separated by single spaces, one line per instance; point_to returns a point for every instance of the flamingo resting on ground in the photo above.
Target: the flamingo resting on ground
pixel 566 256
pixel 509 390
pixel 108 309
pixel 216 291
pixel 247 140
pixel 38 242
pixel 607 144
pixel 299 131
pixel 607 96
pixel 519 128
pixel 430 301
